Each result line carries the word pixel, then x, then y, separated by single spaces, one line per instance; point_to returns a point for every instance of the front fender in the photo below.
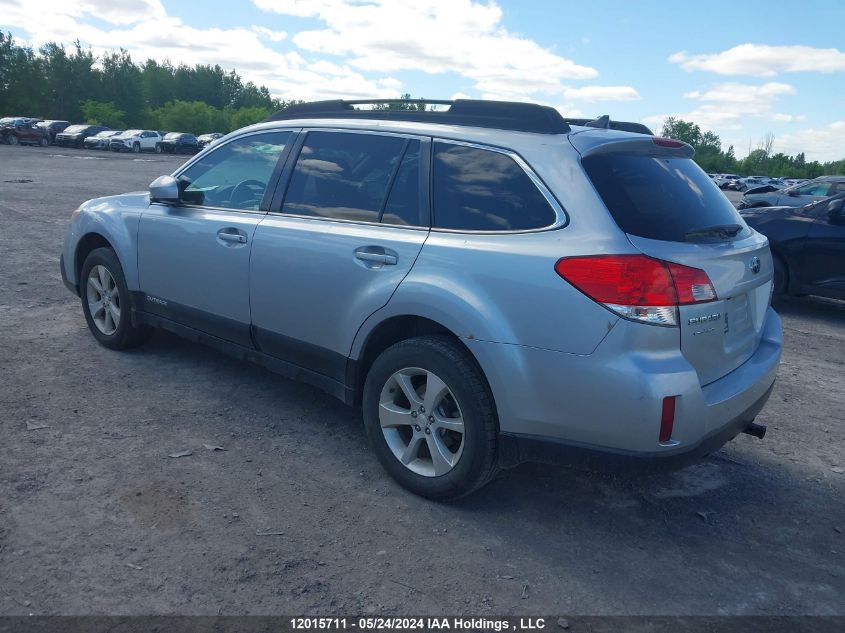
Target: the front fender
pixel 115 219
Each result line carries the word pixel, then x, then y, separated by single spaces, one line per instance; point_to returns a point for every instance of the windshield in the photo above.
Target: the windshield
pixel 131 133
pixel 659 198
pixel 74 129
pixel 173 135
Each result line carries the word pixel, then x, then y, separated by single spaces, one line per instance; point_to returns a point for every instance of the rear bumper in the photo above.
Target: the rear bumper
pixel 515 449
pixel 609 402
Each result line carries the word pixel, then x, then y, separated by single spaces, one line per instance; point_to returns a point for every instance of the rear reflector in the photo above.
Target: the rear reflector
pixel 637 287
pixel 667 419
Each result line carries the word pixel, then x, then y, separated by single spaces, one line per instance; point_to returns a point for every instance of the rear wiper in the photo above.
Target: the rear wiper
pixel 720 230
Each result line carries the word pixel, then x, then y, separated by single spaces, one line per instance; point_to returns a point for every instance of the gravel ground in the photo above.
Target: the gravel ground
pixel 295 515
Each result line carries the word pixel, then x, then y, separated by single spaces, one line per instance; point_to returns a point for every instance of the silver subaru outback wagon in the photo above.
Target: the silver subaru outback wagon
pixel 490 283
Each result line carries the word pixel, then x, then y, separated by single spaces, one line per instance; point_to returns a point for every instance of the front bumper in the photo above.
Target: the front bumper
pixel 68 284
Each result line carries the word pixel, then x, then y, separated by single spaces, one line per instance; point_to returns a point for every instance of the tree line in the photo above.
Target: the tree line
pixel 75 85
pixel 761 161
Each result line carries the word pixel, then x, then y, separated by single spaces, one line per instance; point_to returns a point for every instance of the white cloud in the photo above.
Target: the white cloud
pixel 435 36
pixel 726 106
pixel 602 93
pixel 273 36
pixel 761 60
pixel 823 143
pixel 111 11
pixel 146 33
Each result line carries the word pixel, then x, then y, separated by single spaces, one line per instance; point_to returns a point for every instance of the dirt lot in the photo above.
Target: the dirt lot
pixel 96 518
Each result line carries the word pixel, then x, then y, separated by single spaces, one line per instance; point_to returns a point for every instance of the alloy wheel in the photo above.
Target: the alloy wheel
pixel 103 300
pixel 421 421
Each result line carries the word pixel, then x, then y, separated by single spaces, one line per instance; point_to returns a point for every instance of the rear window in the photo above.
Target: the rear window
pixel 659 198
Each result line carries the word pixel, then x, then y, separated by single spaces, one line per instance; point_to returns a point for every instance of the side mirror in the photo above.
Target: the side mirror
pixel 164 189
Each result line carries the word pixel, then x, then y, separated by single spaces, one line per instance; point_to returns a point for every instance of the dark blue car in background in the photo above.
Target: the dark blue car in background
pixel 808 245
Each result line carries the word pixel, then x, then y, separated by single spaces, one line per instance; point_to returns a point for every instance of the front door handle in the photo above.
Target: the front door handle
pixel 229 236
pixel 376 255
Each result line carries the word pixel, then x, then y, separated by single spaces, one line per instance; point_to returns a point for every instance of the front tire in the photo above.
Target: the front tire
pixel 12 140
pixel 430 418
pixel 106 302
pixel 158 148
pixel 136 147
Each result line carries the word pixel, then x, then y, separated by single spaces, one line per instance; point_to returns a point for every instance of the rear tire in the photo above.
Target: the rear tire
pixel 448 451
pixel 106 302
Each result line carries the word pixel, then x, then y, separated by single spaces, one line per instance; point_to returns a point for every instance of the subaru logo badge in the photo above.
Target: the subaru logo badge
pixel 754 264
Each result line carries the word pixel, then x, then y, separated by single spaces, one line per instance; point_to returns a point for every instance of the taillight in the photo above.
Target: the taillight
pixel 638 287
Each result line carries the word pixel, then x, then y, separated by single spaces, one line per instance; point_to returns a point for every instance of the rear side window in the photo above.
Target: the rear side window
pixel 659 198
pixel 483 190
pixel 362 177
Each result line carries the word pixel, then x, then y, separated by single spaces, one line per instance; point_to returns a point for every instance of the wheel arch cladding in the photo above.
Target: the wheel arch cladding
pixel 393 330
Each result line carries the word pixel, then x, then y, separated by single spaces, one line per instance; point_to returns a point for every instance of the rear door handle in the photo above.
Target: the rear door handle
pixel 228 236
pixel 376 255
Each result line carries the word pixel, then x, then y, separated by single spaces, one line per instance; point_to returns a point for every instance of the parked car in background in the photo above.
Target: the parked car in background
pixel 52 127
pixel 204 140
pixel 806 193
pixel 808 245
pixel 723 180
pixel 14 121
pixel 180 143
pixel 765 185
pixel 100 140
pixel 75 135
pixel 136 141
pixel 23 133
pixel 440 283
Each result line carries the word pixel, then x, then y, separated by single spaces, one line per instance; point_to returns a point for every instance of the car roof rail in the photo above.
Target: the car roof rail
pixel 503 115
pixel 623 126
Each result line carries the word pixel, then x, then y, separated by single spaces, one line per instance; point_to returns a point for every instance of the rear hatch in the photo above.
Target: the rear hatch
pixel 672 211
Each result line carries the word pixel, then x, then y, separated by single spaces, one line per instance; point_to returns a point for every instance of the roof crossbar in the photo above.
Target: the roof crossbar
pixel 504 115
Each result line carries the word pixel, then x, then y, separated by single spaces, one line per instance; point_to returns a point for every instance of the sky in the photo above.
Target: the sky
pixel 741 69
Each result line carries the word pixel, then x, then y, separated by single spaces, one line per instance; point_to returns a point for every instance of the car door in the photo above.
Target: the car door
pixel 193 257
pixel 334 248
pixel 823 267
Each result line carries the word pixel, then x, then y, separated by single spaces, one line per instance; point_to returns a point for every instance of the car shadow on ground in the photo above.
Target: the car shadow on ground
pixel 819 309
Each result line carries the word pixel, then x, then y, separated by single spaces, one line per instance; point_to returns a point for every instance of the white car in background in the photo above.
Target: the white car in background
pixel 136 141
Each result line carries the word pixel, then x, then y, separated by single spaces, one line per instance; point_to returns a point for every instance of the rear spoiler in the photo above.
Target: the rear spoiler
pixel 589 145
pixel 605 122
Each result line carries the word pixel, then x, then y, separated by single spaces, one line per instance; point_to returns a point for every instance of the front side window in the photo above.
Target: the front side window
pixel 814 189
pixel 477 189
pixel 235 175
pixel 360 177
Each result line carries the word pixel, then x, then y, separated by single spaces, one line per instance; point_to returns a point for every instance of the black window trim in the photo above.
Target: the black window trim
pixel 278 199
pixel 272 184
pixel 561 217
